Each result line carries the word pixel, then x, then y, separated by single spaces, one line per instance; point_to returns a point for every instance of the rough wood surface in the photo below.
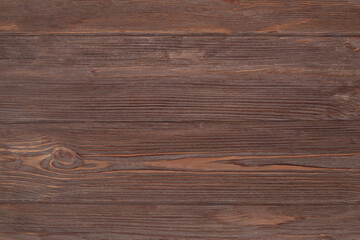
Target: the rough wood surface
pixel 181 16
pixel 75 221
pixel 174 120
pixel 219 163
pixel 177 78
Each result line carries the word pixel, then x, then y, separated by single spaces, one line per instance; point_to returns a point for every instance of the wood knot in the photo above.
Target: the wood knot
pixel 353 44
pixel 65 158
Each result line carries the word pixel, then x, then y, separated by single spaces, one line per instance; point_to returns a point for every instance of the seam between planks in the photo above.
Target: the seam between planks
pixel 178 203
pixel 275 35
pixel 181 121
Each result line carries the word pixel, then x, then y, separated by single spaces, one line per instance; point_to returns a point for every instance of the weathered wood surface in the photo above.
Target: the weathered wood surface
pixel 180 16
pixel 152 221
pixel 195 163
pixel 179 120
pixel 113 78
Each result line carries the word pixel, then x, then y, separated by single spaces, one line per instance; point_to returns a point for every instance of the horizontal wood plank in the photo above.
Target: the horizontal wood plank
pixel 107 222
pixel 221 163
pixel 180 16
pixel 177 78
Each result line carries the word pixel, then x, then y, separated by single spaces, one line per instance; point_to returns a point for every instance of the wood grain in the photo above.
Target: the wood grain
pixel 106 222
pixel 112 78
pixel 181 16
pixel 189 163
pixel 202 119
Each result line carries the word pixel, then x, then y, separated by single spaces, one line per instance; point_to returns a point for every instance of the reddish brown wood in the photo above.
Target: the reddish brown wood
pixel 180 16
pixel 178 78
pixel 201 119
pixel 311 162
pixel 152 221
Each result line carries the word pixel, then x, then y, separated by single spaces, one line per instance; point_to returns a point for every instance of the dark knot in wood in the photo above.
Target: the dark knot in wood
pixel 65 158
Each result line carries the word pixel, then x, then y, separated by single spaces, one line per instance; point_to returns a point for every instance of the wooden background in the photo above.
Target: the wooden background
pixel 179 119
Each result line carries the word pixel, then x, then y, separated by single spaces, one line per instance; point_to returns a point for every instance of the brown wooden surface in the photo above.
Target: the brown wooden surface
pixel 134 221
pixel 179 120
pixel 180 16
pixel 177 78
pixel 172 163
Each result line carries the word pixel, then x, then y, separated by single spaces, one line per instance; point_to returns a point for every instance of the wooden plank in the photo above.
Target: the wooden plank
pixel 180 16
pixel 313 162
pixel 78 221
pixel 177 78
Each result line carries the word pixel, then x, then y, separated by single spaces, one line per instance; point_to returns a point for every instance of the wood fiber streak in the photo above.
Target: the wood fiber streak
pixel 178 78
pixel 107 222
pixel 180 16
pixel 313 162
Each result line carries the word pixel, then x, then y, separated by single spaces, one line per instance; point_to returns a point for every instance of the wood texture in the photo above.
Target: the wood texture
pixel 70 78
pixel 181 16
pixel 75 221
pixel 179 120
pixel 219 163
